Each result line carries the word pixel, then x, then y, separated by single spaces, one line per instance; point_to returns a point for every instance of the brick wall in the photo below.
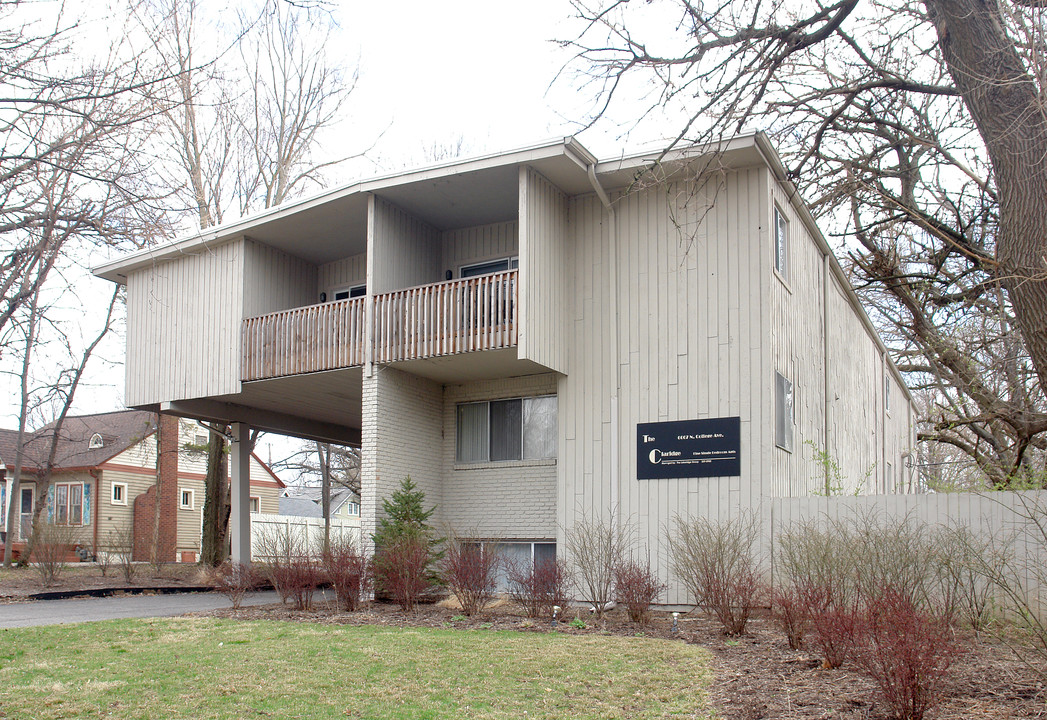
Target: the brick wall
pixel 402 426
pixel 145 505
pixel 510 500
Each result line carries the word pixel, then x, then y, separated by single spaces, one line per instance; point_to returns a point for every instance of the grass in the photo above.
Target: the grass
pixel 207 668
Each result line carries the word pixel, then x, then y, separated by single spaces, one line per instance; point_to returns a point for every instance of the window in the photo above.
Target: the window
pixel 200 439
pixel 781 243
pixel 256 505
pixel 783 413
pixel 96 442
pixel 353 508
pixel 119 494
pixel 69 504
pixel 490 266
pixel 186 500
pixel 887 393
pixel 353 292
pixel 499 430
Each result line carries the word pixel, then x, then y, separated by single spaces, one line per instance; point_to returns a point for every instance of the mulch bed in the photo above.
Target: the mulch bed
pixel 756 675
pixel 19 583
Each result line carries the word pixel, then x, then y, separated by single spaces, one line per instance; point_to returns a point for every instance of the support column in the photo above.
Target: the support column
pixel 240 491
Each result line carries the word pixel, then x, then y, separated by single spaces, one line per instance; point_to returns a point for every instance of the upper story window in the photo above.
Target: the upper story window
pixel 95 442
pixel 489 266
pixel 783 412
pixel 119 493
pixel 350 292
pixel 499 430
pixel 353 509
pixel 186 500
pixel 256 505
pixel 781 243
pixel 887 393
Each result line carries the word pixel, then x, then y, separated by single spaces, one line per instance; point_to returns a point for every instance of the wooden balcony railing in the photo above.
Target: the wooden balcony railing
pixel 302 340
pixel 457 316
pixel 445 318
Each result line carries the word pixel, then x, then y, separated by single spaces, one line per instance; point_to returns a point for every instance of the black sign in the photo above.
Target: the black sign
pixel 688 449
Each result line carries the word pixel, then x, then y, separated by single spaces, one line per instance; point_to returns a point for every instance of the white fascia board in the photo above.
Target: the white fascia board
pixel 116 270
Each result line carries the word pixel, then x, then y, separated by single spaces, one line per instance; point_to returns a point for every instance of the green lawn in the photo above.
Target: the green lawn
pixel 205 668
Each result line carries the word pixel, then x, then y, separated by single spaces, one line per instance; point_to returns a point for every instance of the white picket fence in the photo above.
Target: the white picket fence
pixel 306 531
pixel 1016 518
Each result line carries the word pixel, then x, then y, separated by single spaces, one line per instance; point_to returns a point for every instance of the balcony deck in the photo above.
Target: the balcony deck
pixel 447 318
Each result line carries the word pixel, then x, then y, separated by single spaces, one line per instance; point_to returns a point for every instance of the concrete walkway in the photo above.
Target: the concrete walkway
pixel 59 612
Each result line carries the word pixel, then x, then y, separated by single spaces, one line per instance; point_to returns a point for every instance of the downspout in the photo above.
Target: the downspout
pixel 616 342
pixel 825 365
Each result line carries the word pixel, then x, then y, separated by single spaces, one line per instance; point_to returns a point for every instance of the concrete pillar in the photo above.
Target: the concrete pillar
pixel 240 487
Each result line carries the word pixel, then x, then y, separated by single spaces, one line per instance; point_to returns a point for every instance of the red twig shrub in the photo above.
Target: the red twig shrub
pixel 470 570
pixel 906 651
pixel 832 621
pixel 791 612
pixel 401 569
pixel 234 580
pixel 637 587
pixel 349 573
pixel 540 586
pixel 718 563
pixel 298 578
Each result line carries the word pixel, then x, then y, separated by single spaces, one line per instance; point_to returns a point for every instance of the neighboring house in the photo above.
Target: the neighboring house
pixel 535 337
pixel 106 467
pixel 308 502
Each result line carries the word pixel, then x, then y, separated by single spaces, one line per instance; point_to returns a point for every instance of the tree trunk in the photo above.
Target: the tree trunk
pixel 1003 99
pixel 216 503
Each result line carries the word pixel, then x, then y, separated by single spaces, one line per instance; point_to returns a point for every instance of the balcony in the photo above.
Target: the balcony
pixel 303 340
pixel 457 316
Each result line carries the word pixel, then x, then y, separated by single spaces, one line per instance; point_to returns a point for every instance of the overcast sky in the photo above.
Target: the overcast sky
pixel 430 74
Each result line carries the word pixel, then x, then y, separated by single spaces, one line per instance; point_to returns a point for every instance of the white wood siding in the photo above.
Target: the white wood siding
pixel 478 244
pixel 183 326
pixel 693 343
pixel 341 274
pixel 544 249
pixel 274 280
pixel 405 250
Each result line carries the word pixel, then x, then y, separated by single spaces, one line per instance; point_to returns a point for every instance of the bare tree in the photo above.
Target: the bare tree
pixel 919 133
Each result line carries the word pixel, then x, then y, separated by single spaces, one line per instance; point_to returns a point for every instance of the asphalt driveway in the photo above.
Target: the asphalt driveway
pixel 75 610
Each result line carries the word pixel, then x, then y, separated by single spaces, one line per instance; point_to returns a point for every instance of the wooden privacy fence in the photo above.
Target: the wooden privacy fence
pixel 303 340
pixel 303 532
pixel 457 316
pixel 1004 516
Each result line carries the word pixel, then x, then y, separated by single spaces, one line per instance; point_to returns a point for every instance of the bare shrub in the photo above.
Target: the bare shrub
pixel 539 586
pixel 906 650
pixel 121 542
pixel 470 570
pixel 966 563
pixel 401 569
pixel 717 562
pixel 234 580
pixel 349 573
pixel 105 556
pixel 280 546
pixel 297 579
pixel 637 588
pixel 54 543
pixel 596 547
pixel 791 613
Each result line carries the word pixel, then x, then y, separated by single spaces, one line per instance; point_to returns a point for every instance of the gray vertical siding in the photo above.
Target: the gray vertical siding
pixel 342 274
pixel 544 247
pixel 477 244
pixel 405 250
pixel 274 280
pixel 183 326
